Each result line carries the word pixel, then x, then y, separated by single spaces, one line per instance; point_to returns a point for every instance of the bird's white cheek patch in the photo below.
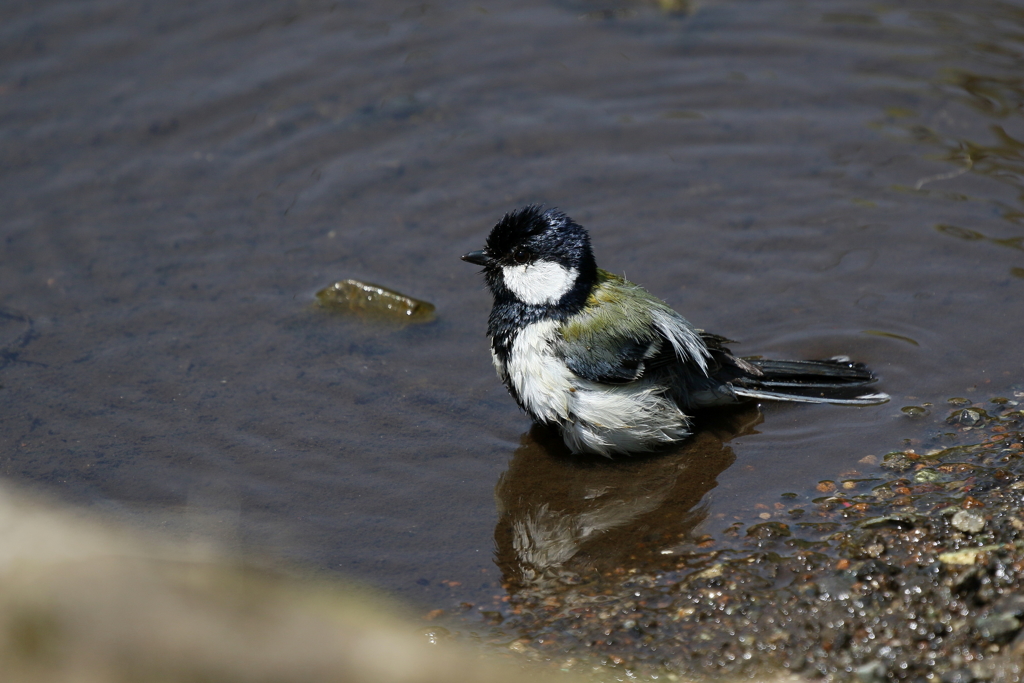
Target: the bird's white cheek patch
pixel 542 282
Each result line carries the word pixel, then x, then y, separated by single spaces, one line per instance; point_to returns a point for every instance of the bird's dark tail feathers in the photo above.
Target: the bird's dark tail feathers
pixel 835 380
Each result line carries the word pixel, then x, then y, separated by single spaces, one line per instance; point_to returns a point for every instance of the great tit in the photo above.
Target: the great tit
pixel 612 366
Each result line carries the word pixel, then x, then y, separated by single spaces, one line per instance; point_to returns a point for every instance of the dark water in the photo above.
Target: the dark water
pixel 811 178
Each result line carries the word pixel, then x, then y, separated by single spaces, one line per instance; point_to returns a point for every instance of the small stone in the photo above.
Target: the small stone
pixel 492 616
pixel 836 587
pixel 769 530
pixel 965 557
pixel 873 569
pixel 1012 604
pixel 957 676
pixel 897 461
pixel 968 417
pixel 874 550
pixel 437 634
pixel 982 671
pixel 370 299
pixel 998 626
pixel 899 521
pixel 684 612
pixel 712 572
pixel 872 672
pixel 969 521
pixel 926 476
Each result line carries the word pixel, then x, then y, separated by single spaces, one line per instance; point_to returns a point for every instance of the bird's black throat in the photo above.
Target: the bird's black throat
pixel 510 315
pixel 544 236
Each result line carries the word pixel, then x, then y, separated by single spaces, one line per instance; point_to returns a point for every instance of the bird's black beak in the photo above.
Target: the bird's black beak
pixel 480 258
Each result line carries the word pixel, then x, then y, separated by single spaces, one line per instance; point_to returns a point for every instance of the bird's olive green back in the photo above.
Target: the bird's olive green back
pixel 611 312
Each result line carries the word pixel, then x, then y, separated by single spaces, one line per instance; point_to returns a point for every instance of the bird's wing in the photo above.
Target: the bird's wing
pixel 623 332
pixel 722 361
pixel 619 362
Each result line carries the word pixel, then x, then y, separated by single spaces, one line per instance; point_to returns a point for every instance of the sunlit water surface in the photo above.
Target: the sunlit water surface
pixel 179 179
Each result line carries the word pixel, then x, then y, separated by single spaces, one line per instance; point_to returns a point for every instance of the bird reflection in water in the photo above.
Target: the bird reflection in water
pixel 564 519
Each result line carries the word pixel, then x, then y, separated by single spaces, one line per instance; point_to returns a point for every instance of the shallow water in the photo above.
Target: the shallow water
pixel 179 180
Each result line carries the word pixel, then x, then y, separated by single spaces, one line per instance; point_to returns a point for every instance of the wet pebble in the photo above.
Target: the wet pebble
pixel 968 417
pixel 1010 604
pixel 874 550
pixel 901 521
pixel 926 476
pixel 997 626
pixel 437 634
pixel 837 587
pixel 769 530
pixel 897 461
pixel 872 672
pixel 966 557
pixel 958 676
pixel 370 299
pixel 968 521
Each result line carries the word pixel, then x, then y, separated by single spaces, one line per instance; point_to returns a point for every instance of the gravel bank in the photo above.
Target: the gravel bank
pixel 908 567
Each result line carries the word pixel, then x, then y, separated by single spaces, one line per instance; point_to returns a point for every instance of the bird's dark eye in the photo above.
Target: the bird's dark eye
pixel 521 255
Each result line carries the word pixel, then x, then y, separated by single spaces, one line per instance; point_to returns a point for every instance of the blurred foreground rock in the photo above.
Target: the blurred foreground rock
pixel 85 603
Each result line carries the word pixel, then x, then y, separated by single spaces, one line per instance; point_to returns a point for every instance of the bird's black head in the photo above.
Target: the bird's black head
pixel 538 258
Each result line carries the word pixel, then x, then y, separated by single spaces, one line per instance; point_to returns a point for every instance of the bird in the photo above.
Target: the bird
pixel 613 367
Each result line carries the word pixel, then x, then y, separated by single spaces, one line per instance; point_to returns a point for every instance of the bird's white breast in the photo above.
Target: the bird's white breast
pixel 542 381
pixel 541 282
pixel 594 417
